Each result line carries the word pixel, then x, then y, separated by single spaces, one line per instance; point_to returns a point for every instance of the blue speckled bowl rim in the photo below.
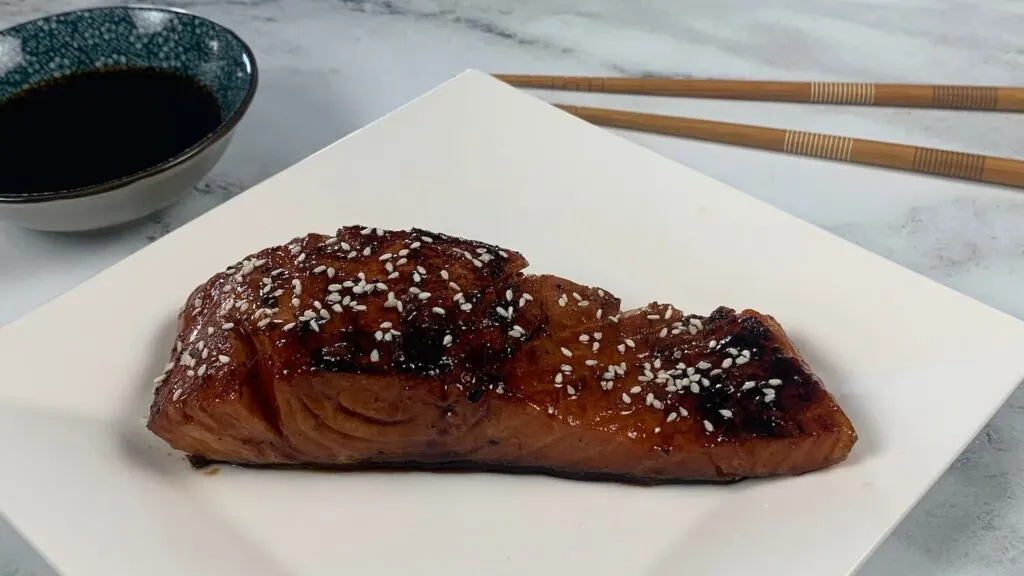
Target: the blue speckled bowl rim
pixel 223 130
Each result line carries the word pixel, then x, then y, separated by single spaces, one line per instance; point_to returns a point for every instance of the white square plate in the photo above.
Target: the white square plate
pixel 918 367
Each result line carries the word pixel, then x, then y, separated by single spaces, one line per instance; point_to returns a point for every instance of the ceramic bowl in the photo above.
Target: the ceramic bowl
pixel 40 50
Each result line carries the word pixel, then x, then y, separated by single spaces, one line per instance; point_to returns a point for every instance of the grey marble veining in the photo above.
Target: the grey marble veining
pixel 331 66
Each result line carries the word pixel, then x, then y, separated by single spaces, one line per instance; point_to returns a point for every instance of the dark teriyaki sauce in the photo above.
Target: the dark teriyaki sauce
pixel 97 126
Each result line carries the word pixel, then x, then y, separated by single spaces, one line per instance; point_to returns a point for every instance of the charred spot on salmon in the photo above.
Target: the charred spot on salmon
pixel 423 350
pixel 337 358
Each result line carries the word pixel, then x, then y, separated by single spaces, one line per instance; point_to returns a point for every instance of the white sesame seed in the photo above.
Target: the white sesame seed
pixel 621 348
pixel 702 365
pixel 708 426
pixel 502 312
pixel 591 362
pixel 725 413
pixel 566 352
pixel 649 399
pixel 477 263
pixel 558 378
pixel 159 378
pixel 201 371
pixel 682 412
pixel 227 326
pixel 584 338
pixel 566 368
pixel 748 385
pixel 742 360
pixel 301 257
pixel 427 239
pixel 775 382
pixel 325 314
pixel 330 241
pixel 630 343
pixel 663 333
pixel 367 251
pixel 374 355
pixel 584 303
pixel 570 390
pixel 626 398
pixel 635 390
pixel 424 295
pixel 319 269
pixel 454 286
pixel 726 363
pixel 393 275
pixel 193 373
pixel 653 317
pixel 205 354
pixel 596 346
pixel 562 301
pixel 337 308
pixel 401 261
pixel 177 393
pixel 694 387
pixel 466 307
pixel 447 340
pixel 508 295
pixel 361 308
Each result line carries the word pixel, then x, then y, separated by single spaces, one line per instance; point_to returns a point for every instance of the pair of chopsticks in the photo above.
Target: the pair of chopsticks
pixel 949 163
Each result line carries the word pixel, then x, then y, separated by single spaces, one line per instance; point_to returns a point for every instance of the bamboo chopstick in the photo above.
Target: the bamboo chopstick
pixel 991 169
pixel 999 98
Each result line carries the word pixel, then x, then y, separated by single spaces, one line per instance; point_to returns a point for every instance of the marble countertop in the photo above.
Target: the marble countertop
pixel 331 66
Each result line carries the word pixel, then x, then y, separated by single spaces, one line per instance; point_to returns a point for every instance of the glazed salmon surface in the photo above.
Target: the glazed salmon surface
pixel 377 348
